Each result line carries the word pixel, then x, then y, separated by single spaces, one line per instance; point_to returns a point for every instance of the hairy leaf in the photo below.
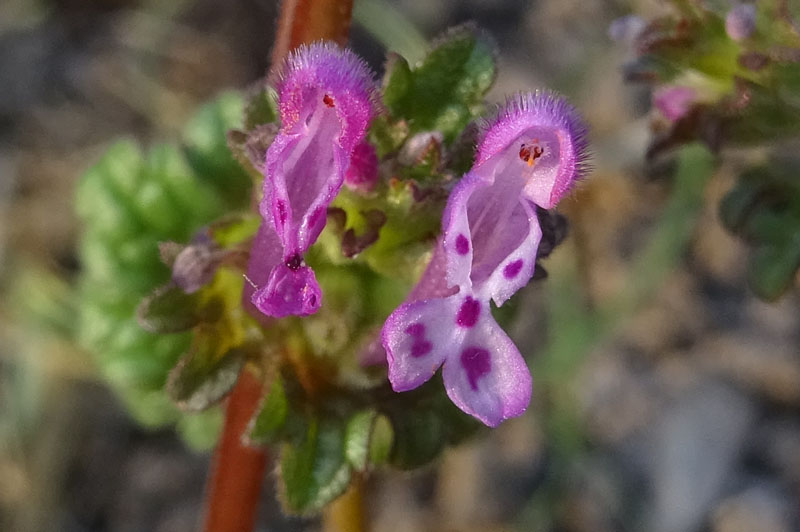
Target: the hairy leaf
pixel 314 470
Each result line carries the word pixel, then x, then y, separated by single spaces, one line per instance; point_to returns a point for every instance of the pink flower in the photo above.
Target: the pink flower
pixel 674 101
pixel 530 154
pixel 326 101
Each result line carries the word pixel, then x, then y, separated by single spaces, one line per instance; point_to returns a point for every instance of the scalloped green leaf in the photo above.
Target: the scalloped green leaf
pixel 358 433
pixel 770 225
pixel 267 426
pixel 738 203
pixel 236 229
pixel 128 202
pixel 773 268
pixel 419 438
pixel 368 439
pixel 204 375
pixel 398 83
pixel 101 201
pixel 261 108
pixel 381 440
pixel 314 470
pixel 179 185
pixel 446 90
pixel 200 430
pixel 169 310
pixel 206 148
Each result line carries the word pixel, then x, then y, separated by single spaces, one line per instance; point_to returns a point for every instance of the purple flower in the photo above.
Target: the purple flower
pixel 674 101
pixel 530 154
pixel 326 101
pixel 740 23
pixel 626 29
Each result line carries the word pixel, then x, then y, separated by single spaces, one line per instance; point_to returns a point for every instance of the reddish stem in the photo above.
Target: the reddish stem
pixel 238 470
pixel 306 21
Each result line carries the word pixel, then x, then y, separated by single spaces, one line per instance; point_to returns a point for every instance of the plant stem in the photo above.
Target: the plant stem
pixel 346 514
pixel 306 21
pixel 237 473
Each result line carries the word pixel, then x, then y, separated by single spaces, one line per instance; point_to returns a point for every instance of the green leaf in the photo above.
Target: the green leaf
pixel 204 375
pixel 738 203
pixel 185 197
pixel 314 471
pixel 387 136
pixel 380 445
pixel 235 229
pixel 206 146
pixel 768 116
pixel 773 268
pixel 139 360
pixel 357 438
pixel 398 83
pixel 128 202
pixel 261 108
pixel 201 430
pixel 267 427
pixel 419 438
pixel 368 439
pixel 768 224
pixel 150 408
pixel 101 199
pixel 445 91
pixel 168 310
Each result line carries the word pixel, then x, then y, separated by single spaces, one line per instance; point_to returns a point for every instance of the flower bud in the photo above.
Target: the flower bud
pixel 362 173
pixel 740 23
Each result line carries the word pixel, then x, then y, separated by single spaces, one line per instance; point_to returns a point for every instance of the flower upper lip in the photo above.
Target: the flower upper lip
pixel 326 101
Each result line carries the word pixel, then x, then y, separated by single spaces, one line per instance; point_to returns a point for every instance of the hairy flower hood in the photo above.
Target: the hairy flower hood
pixel 326 101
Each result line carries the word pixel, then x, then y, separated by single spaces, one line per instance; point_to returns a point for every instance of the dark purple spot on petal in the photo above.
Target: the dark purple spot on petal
pixel 512 269
pixel 477 363
pixel 420 347
pixel 294 262
pixel 469 312
pixel 415 329
pixel 282 212
pixel 462 245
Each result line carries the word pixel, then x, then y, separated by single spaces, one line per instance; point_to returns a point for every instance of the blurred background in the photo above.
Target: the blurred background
pixel 667 396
